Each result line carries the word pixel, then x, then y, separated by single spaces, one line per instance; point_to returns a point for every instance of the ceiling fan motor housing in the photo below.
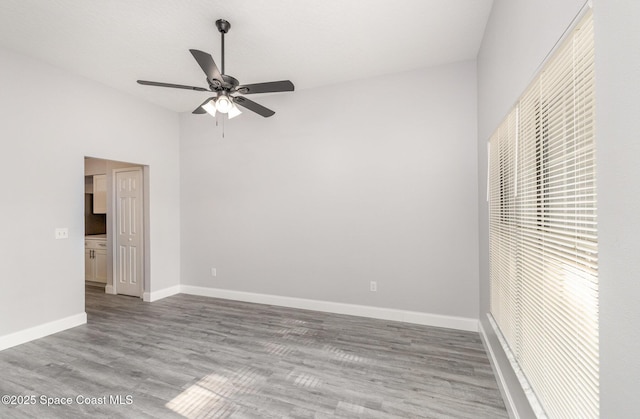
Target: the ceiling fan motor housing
pixel 223 26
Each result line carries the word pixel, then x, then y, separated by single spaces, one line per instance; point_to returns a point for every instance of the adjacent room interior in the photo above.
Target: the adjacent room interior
pixel 288 213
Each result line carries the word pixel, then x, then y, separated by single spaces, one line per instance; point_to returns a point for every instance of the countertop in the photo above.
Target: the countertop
pixel 96 236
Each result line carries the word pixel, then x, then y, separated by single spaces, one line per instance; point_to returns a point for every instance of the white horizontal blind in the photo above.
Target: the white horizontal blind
pixel 502 201
pixel 543 231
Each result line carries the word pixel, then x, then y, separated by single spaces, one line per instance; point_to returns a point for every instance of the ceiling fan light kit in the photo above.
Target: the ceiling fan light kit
pixel 228 89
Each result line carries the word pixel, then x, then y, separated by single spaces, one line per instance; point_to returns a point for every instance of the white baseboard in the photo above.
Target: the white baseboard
pixel 40 331
pixel 160 294
pixel 502 384
pixel 428 319
pixel 109 290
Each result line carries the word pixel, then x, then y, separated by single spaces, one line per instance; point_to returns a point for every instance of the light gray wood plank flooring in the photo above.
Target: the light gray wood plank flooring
pixel 197 357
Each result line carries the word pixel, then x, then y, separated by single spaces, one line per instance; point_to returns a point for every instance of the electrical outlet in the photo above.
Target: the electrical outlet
pixel 213 272
pixel 62 233
pixel 373 286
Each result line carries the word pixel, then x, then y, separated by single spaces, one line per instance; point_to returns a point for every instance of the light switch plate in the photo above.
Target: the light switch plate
pixel 62 233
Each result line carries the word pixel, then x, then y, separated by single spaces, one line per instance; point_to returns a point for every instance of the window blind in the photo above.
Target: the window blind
pixel 543 231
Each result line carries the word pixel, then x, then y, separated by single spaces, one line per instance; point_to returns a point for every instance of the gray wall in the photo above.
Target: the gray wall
pixel 518 36
pixel 51 120
pixel 344 185
pixel 618 153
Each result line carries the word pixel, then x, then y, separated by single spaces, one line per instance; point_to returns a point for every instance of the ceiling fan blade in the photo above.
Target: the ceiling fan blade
pixel 200 109
pixel 176 86
pixel 268 87
pixel 253 106
pixel 207 65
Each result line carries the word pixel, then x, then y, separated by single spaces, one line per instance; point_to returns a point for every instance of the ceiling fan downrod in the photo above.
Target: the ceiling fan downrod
pixel 223 27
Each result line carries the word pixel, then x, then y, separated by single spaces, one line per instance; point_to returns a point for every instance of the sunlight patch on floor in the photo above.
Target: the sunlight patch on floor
pixel 212 395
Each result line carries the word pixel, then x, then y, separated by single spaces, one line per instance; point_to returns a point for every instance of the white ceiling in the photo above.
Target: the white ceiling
pixel 313 43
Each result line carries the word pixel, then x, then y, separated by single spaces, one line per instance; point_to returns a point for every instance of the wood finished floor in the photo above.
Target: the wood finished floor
pixel 198 357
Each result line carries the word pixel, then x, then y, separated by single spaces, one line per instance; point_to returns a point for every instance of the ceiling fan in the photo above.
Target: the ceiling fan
pixel 227 89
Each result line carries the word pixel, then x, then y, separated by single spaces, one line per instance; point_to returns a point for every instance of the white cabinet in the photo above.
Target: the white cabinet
pixel 100 194
pixel 95 260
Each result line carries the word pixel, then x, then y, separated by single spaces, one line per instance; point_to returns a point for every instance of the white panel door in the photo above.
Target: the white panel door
pixel 128 275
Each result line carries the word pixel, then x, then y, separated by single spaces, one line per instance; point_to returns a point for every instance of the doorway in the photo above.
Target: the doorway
pixel 122 186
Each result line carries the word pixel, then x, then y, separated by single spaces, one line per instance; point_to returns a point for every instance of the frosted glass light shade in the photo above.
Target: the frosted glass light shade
pixel 210 107
pixel 234 111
